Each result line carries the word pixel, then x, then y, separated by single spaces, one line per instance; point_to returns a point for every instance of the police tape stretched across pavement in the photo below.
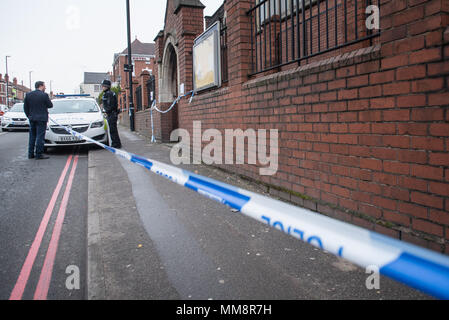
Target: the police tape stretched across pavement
pixel 420 268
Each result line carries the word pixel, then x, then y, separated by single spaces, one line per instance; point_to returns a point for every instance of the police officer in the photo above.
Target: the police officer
pixel 110 107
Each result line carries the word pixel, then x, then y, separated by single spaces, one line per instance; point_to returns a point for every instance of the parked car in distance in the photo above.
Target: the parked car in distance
pixel 15 119
pixel 3 109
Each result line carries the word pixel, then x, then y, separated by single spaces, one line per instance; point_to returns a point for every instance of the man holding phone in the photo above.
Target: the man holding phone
pixel 36 107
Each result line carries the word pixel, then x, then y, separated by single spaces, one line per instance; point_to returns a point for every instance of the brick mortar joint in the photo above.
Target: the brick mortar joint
pixel 199 97
pixel 342 60
pixel 446 36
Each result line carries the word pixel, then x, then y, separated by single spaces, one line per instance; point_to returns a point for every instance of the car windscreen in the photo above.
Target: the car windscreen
pixel 17 108
pixel 73 106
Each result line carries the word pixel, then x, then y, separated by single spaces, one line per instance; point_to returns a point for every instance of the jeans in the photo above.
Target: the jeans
pixel 37 138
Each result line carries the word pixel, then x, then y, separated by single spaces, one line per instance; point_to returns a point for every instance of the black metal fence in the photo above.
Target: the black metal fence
pixel 289 31
pixel 224 53
pixel 139 98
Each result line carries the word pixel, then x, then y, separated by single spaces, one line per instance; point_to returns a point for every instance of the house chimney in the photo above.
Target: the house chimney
pixel 1 77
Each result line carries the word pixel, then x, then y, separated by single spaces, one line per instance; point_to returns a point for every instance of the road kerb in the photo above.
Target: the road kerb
pixel 96 288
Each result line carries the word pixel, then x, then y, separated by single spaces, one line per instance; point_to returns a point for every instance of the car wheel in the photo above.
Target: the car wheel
pixel 5 130
pixel 45 149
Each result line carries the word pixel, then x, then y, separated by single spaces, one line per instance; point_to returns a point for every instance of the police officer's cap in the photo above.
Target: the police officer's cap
pixel 106 83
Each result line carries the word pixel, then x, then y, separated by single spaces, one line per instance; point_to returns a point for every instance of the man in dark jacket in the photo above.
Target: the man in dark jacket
pixel 36 107
pixel 110 105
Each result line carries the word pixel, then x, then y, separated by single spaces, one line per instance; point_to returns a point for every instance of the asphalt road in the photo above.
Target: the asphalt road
pixel 34 264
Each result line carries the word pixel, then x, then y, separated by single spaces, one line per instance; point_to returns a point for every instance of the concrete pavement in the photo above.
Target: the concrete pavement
pixel 122 261
pixel 149 238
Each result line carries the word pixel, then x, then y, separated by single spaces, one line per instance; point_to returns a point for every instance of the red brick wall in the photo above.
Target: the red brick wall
pixel 364 135
pixel 163 123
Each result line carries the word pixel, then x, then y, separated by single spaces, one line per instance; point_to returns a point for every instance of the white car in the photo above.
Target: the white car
pixel 3 109
pixel 15 118
pixel 83 115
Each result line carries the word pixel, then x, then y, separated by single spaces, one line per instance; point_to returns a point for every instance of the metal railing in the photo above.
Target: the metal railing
pixel 289 31
pixel 139 98
pixel 224 53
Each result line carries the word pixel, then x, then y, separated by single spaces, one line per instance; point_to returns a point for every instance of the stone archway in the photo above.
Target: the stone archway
pixel 169 85
pixel 170 73
pixel 173 83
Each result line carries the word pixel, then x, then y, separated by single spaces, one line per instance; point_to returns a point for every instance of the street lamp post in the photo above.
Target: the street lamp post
pixel 130 70
pixel 7 82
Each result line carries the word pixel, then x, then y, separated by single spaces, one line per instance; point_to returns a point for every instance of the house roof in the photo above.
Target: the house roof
pixel 95 77
pixel 138 47
pixel 22 87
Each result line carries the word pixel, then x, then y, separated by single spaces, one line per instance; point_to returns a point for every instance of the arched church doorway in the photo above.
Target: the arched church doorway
pixel 170 85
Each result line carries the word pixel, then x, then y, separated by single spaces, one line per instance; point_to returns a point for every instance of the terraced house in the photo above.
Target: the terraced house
pixel 16 91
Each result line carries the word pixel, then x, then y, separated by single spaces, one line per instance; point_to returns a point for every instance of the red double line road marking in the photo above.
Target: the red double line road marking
pixel 47 270
pixel 22 281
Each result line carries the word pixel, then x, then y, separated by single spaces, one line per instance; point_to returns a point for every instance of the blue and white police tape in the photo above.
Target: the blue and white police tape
pixel 154 107
pixel 174 102
pixel 422 269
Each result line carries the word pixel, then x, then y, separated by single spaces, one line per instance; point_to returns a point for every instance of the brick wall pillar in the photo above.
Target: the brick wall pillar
pixel 159 51
pixel 135 85
pixel 144 77
pixel 414 78
pixel 192 20
pixel 239 40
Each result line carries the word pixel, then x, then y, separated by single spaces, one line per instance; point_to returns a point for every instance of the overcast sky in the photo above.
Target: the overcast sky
pixel 61 39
